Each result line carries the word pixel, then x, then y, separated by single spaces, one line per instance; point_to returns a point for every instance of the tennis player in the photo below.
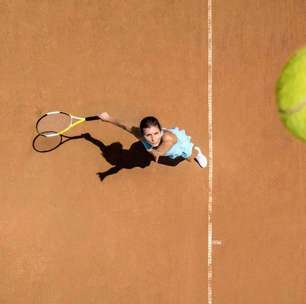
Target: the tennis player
pixel 159 141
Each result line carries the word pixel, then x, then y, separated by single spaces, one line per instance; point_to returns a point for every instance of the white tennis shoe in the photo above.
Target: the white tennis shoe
pixel 200 158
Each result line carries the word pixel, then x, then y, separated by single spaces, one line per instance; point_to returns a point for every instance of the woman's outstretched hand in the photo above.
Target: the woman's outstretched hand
pixel 105 116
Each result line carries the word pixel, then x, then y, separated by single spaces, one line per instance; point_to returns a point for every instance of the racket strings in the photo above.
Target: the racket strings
pixel 53 123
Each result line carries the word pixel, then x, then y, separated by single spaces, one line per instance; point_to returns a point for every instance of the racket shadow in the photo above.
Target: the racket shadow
pixel 119 158
pixel 43 144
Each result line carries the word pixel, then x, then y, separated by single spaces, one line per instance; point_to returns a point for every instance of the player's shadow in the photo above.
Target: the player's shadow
pixel 119 158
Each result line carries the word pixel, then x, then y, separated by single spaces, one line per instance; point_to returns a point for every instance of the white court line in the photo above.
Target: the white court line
pixel 210 153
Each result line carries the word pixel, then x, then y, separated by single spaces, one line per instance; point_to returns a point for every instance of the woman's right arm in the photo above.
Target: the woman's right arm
pixel 133 130
pixel 107 118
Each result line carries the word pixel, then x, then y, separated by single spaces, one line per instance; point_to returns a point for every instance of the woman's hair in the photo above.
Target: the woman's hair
pixel 148 122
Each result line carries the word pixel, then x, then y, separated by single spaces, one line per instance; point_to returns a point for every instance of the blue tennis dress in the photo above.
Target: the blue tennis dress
pixel 183 146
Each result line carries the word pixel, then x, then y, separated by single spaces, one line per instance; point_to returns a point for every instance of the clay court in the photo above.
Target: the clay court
pixel 142 234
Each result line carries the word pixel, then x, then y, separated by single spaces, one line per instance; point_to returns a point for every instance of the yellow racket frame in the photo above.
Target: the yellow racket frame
pixel 78 120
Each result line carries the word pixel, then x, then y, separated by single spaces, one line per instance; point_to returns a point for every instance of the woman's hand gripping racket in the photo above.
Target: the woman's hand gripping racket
pixel 57 123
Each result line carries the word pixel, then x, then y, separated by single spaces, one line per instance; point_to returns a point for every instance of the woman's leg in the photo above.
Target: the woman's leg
pixel 193 154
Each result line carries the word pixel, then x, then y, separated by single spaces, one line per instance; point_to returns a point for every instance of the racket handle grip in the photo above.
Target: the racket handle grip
pixel 92 118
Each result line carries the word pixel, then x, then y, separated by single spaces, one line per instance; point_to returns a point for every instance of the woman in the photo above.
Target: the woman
pixel 161 141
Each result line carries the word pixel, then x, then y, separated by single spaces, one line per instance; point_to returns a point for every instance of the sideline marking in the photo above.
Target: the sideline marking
pixel 210 153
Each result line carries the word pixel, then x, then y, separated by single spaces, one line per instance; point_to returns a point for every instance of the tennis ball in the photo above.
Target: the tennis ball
pixel 291 94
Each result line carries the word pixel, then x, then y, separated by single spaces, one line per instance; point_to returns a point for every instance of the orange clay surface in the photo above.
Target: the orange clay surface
pixel 140 235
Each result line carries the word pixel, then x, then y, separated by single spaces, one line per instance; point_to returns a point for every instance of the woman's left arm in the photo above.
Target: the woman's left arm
pixel 163 148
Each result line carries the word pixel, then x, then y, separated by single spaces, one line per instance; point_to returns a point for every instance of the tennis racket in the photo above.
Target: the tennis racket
pixel 42 143
pixel 57 123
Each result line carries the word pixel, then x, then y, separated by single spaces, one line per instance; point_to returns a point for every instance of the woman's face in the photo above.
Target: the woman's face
pixel 152 135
